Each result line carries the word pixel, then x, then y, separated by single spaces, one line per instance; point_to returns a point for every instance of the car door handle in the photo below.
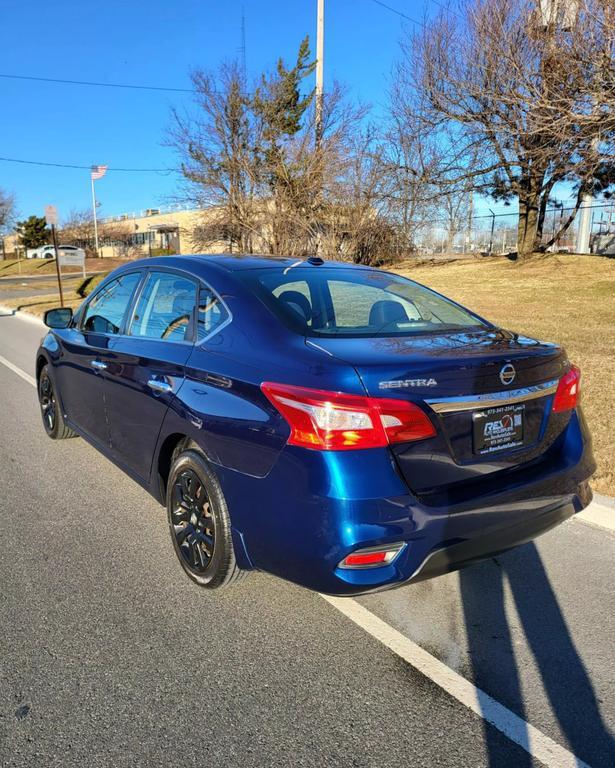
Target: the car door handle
pixel 99 365
pixel 218 381
pixel 160 386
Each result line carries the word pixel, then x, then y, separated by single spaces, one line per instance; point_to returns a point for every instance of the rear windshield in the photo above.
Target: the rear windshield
pixel 321 301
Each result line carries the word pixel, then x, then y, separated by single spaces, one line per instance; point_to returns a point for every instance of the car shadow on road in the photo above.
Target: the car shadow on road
pixel 564 678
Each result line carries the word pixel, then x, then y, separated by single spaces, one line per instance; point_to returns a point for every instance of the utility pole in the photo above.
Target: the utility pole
pixel 242 47
pixel 320 67
pixel 95 219
pixel 492 228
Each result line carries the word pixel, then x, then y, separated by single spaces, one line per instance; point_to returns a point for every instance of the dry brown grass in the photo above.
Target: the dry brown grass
pixel 567 299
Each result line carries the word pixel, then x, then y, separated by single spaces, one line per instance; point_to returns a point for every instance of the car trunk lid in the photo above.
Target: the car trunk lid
pixel 488 391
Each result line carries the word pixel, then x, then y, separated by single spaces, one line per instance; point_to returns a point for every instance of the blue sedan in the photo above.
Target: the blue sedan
pixel 338 426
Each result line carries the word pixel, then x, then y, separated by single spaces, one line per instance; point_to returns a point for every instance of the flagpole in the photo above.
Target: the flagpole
pixel 94 211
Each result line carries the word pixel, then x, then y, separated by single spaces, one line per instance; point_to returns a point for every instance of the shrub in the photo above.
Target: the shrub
pixel 86 286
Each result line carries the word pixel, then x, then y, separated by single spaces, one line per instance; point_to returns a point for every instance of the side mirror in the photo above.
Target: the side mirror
pixel 58 318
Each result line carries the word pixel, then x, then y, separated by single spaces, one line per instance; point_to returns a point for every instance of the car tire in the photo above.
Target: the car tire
pixel 199 522
pixel 53 420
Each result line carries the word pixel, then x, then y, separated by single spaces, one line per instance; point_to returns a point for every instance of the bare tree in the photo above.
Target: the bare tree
pixel 216 143
pixel 454 206
pixel 407 198
pixel 7 210
pixel 250 159
pixel 532 99
pixel 78 229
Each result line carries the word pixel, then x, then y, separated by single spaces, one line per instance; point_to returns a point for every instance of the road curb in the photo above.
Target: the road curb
pixel 605 501
pixel 600 513
pixel 23 315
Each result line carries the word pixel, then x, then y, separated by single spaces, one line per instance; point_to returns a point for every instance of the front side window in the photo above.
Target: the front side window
pixel 165 309
pixel 105 311
pixel 322 301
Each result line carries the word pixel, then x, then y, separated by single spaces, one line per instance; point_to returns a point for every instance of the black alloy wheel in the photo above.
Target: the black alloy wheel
pixel 47 400
pixel 193 524
pixel 199 521
pixel 53 420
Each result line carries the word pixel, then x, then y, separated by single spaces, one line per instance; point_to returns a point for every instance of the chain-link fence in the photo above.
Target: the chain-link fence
pixel 496 233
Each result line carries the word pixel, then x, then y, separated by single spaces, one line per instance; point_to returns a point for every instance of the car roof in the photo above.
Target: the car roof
pixel 238 261
pixel 232 263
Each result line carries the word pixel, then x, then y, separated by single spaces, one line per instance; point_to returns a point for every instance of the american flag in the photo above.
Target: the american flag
pixel 98 171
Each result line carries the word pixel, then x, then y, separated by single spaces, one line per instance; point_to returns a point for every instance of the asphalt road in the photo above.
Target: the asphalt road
pixel 109 656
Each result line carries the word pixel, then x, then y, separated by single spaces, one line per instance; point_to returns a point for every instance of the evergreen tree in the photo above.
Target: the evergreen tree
pixel 278 100
pixel 32 232
pixel 280 108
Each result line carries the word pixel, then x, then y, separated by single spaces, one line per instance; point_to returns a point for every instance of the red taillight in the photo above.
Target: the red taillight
pixel 333 421
pixel 568 391
pixel 372 556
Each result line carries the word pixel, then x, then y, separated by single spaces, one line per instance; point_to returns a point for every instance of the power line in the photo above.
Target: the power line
pixel 97 84
pixel 447 7
pixel 398 13
pixel 87 167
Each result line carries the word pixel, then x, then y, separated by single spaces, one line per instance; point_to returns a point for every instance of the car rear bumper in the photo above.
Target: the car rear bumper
pixel 316 507
pixel 448 543
pixel 499 539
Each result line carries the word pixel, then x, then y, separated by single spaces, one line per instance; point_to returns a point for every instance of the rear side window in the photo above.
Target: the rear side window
pixel 105 311
pixel 165 309
pixel 211 313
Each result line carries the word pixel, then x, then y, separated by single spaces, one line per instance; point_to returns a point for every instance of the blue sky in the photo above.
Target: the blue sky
pixel 158 43
pixel 153 43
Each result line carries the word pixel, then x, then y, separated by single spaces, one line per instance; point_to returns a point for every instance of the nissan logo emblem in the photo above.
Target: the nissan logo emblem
pixel 507 374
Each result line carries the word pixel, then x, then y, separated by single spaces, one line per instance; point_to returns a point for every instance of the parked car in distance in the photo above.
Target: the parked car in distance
pixel 338 426
pixel 48 251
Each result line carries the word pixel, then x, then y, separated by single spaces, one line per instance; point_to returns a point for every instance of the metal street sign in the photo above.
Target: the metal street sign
pixel 51 215
pixel 71 258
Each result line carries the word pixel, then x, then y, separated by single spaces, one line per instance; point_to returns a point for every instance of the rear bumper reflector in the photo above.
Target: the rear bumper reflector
pixel 372 557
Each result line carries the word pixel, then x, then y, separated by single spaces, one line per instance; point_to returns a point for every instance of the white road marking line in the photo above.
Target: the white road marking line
pixel 514 727
pixel 25 376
